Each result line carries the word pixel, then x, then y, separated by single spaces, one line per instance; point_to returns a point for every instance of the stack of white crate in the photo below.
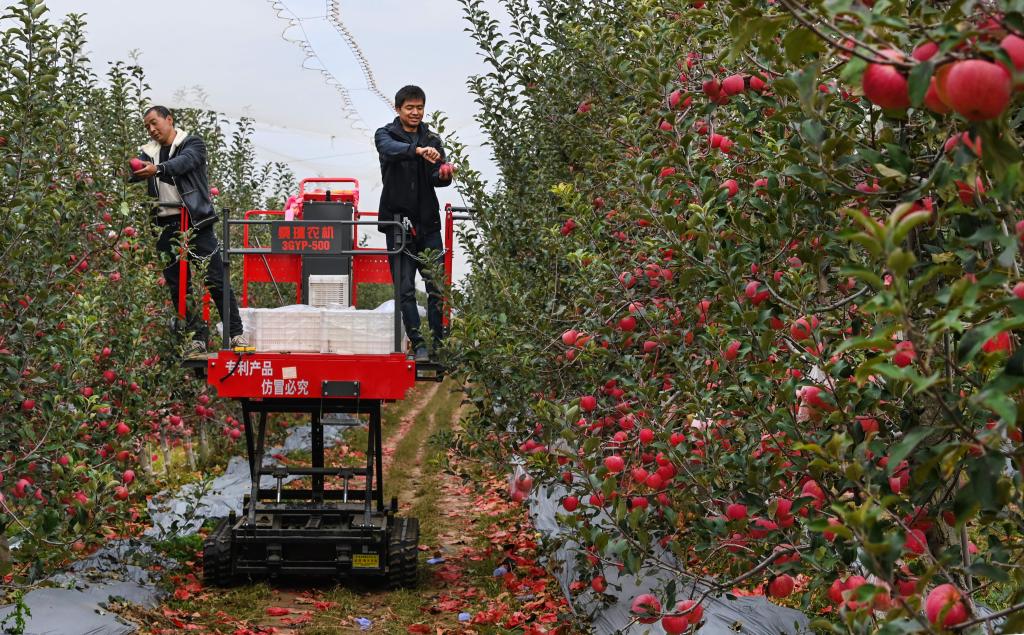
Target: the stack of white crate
pixel 355 332
pixel 290 329
pixel 335 329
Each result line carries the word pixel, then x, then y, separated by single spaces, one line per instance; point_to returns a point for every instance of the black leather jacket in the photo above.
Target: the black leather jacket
pixel 187 168
pixel 409 180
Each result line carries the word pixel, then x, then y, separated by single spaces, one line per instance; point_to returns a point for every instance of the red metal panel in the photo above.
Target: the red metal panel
pixel 371 269
pixel 301 375
pixel 279 268
pixel 449 242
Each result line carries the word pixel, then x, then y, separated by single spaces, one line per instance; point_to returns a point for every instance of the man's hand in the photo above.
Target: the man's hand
pixel 147 170
pixel 428 153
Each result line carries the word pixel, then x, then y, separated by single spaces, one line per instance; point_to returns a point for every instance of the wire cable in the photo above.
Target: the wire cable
pixel 348 108
pixel 334 17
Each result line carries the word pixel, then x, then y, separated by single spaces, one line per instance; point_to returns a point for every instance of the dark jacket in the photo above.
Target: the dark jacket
pixel 409 180
pixel 187 168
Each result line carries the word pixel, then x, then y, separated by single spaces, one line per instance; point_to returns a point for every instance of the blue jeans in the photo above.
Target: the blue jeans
pixel 409 262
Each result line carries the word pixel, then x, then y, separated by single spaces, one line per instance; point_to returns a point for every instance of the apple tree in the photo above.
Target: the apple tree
pixel 91 372
pixel 749 290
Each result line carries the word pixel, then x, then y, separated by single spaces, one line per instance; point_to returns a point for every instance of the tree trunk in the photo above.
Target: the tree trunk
pixel 144 459
pixel 167 452
pixel 188 452
pixel 204 444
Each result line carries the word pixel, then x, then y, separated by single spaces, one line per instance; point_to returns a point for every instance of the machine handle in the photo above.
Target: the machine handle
pixel 327 179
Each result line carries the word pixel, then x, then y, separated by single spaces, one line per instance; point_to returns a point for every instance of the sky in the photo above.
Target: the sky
pixel 316 76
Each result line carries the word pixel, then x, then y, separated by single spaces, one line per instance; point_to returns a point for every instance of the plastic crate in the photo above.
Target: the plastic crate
pixel 248 321
pixel 324 290
pixel 358 332
pixel 295 331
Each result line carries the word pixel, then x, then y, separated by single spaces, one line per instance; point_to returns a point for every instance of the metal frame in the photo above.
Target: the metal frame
pixel 227 251
pixel 311 531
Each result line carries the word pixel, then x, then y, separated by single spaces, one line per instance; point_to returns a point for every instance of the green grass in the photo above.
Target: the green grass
pixel 435 457
pixel 403 463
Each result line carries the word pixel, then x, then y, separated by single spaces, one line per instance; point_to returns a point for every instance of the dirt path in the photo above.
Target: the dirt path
pixel 413 482
pixel 296 604
pixel 414 416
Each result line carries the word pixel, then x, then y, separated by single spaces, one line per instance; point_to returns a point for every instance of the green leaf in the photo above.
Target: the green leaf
pixel 919 79
pixel 852 70
pixel 813 131
pixel 906 446
pixel 900 261
pixel 890 173
pixel 986 570
pixel 801 42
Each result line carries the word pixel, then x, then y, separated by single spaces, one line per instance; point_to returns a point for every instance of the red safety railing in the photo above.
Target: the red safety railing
pixel 275 268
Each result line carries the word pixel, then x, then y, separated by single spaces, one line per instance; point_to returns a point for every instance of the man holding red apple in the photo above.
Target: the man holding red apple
pixel 412 164
pixel 173 165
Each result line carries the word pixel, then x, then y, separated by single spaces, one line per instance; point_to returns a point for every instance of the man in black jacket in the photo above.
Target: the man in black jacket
pixel 174 167
pixel 412 164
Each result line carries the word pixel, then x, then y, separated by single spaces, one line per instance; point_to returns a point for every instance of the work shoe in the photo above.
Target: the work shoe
pixel 195 348
pixel 422 355
pixel 240 341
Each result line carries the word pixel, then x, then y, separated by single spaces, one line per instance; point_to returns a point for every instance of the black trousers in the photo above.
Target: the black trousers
pixel 204 250
pixel 410 262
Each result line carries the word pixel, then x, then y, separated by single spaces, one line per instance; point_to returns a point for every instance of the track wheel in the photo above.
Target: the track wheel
pixel 217 556
pixel 403 553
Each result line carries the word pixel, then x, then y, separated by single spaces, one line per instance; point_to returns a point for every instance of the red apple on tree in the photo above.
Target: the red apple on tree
pixel 945 603
pixel 731 186
pixel 885 85
pixel 735 511
pixel 781 586
pixel 1014 47
pixel 977 89
pixel 646 607
pixel 733 85
pixel 614 463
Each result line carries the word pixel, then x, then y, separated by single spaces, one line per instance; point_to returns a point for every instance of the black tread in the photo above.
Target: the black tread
pixel 217 556
pixel 403 553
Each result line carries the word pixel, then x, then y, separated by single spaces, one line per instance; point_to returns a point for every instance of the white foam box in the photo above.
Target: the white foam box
pixel 293 331
pixel 358 332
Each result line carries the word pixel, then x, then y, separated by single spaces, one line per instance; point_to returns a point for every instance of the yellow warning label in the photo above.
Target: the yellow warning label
pixel 365 561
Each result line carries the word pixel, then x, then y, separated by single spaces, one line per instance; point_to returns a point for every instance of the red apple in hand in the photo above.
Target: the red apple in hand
pixel 446 171
pixel 136 164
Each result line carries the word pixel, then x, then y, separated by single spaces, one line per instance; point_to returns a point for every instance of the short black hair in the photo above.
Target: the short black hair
pixel 163 111
pixel 405 93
